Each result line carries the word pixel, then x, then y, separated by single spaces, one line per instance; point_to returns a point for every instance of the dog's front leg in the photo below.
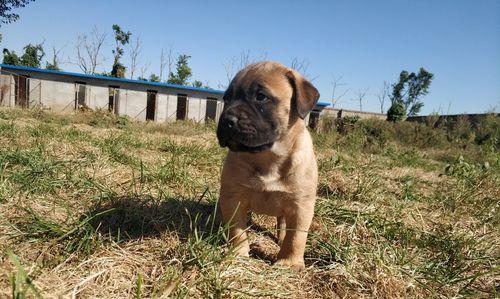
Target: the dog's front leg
pixel 280 229
pixel 292 249
pixel 234 215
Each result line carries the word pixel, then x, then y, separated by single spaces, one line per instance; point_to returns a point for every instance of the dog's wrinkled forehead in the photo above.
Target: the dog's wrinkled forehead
pixel 268 76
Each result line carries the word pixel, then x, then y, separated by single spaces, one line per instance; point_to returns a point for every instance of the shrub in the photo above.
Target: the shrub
pixel 397 112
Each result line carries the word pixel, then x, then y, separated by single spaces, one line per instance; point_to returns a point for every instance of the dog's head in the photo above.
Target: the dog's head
pixel 262 102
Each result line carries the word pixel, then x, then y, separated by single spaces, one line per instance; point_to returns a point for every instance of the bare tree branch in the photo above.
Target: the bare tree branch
pixel 383 95
pixel 166 59
pixel 56 57
pixel 88 51
pixel 144 69
pixel 229 68
pixel 234 65
pixel 337 95
pixel 301 66
pixel 360 96
pixel 135 51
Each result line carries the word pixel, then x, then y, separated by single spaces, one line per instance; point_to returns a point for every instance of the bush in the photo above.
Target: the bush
pixel 397 112
pixel 480 136
pixel 488 131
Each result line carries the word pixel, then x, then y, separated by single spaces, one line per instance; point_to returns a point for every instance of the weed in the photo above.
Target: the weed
pixel 20 281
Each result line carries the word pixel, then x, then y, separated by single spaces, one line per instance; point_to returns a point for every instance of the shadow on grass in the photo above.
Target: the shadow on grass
pixel 131 217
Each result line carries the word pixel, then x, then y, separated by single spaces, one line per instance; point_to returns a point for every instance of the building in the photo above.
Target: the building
pixel 142 100
pixel 60 91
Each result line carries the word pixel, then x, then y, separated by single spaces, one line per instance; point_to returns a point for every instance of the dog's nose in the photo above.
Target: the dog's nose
pixel 231 121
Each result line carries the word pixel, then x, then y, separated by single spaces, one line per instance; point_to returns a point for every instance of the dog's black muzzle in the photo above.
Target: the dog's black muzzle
pixel 240 134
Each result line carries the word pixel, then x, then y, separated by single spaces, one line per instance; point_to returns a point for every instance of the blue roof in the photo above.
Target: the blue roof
pixel 160 84
pixel 101 77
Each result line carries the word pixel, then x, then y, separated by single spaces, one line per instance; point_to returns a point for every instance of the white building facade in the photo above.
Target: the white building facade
pixel 142 100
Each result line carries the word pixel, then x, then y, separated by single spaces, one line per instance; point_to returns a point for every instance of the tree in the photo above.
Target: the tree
pixel 336 84
pixel 122 38
pixel 234 65
pixel 407 92
pixel 166 59
pixel 154 78
pixel 10 57
pixel 144 70
pixel 135 51
pixel 383 95
pixel 33 55
pixel 6 6
pixel 54 65
pixel 88 51
pixel 396 112
pixel 197 83
pixel 182 72
pixel 360 96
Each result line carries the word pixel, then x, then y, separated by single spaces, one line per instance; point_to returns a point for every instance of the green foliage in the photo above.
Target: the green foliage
pixel 32 56
pixel 10 57
pixel 183 71
pixel 396 112
pixel 487 131
pixel 154 78
pixel 118 70
pixel 407 93
pixel 6 6
pixel 197 83
pixel 122 38
pixel 465 170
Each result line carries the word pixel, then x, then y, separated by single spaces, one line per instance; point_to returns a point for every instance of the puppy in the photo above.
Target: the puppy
pixel 270 167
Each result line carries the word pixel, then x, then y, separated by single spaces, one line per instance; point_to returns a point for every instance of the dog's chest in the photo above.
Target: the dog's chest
pixel 272 181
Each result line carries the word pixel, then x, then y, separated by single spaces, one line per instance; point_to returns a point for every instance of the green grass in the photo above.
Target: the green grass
pixel 94 205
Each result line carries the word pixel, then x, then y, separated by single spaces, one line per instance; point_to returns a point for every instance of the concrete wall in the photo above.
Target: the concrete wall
pixel 439 120
pixel 98 97
pixel 6 90
pixel 196 108
pixel 340 113
pixel 57 92
pixel 57 96
pixel 171 107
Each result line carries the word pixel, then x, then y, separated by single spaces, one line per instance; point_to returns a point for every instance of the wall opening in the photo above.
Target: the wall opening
pixel 80 95
pixel 211 110
pixel 114 96
pixel 313 119
pixel 182 107
pixel 151 105
pixel 21 91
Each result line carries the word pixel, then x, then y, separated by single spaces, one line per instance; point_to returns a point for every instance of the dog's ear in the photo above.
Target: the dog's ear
pixel 305 95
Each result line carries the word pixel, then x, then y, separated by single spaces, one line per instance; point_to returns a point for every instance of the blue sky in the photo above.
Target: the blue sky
pixel 365 42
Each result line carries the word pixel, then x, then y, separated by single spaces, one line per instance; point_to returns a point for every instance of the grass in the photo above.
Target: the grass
pixel 98 206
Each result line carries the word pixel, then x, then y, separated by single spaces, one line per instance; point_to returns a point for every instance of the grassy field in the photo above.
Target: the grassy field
pixel 97 206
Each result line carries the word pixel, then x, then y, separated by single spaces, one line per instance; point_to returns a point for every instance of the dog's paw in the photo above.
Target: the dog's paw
pixel 296 265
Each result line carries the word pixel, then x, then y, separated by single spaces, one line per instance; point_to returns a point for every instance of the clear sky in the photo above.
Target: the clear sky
pixel 365 42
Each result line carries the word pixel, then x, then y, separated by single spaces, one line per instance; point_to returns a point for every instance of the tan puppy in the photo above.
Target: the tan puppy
pixel 271 167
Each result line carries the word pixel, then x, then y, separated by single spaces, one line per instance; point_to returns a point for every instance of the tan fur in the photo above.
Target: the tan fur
pixel 279 182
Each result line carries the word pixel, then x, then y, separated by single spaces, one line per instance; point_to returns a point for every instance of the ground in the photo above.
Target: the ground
pixel 97 206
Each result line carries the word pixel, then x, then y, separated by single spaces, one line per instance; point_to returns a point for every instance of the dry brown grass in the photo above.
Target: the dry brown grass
pixel 94 206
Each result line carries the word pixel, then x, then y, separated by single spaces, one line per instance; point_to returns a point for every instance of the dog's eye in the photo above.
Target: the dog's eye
pixel 261 97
